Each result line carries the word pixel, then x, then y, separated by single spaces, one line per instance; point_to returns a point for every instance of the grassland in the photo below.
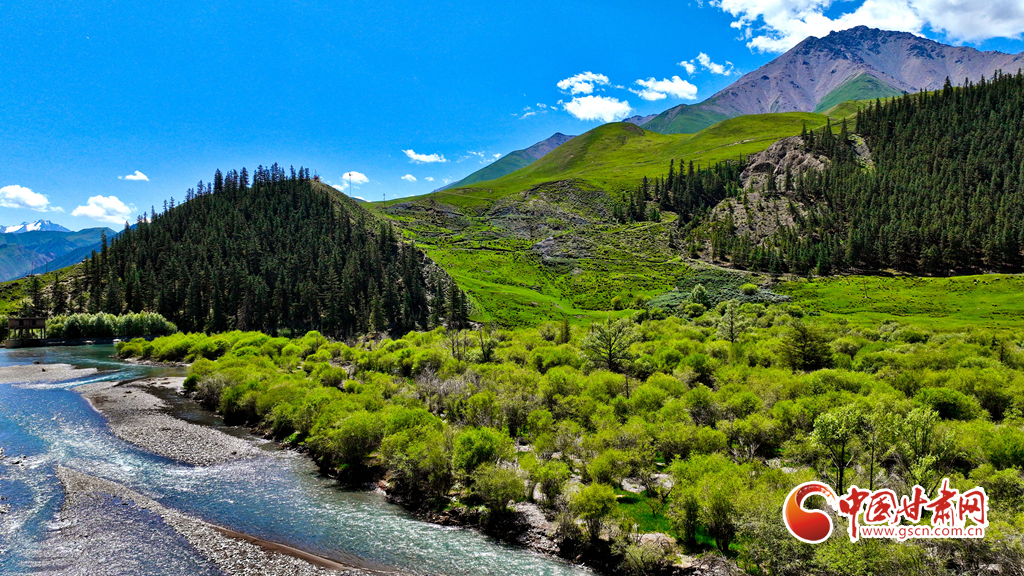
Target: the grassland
pixel 991 301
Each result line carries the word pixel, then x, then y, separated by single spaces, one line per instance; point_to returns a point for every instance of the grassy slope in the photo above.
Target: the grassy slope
pixel 862 87
pixel 986 301
pixel 616 157
pixel 12 292
pixel 512 282
pixel 505 165
pixel 685 119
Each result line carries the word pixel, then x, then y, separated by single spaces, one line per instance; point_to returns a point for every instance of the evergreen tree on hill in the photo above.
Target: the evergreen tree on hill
pixel 282 253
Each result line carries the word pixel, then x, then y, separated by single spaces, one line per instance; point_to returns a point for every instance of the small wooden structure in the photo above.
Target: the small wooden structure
pixel 26 331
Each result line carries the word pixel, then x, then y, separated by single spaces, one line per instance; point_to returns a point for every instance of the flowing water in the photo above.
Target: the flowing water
pixel 278 496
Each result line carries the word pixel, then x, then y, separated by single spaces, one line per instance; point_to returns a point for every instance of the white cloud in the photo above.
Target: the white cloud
pixel 583 83
pixel 425 158
pixel 658 89
pixel 778 25
pixel 352 178
pixel 496 156
pixel 707 64
pixel 409 178
pixel 704 61
pixel 429 178
pixel 446 181
pixel 604 108
pixel 137 176
pixel 15 196
pixel 106 209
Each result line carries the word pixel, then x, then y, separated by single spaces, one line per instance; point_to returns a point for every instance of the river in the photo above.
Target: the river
pixel 278 496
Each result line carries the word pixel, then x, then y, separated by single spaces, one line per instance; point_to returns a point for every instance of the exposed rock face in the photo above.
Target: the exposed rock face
pixel 787 153
pixel 758 216
pixel 800 78
pixel 541 149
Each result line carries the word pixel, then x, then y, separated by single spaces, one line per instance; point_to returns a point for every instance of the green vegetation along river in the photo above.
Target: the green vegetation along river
pixel 277 495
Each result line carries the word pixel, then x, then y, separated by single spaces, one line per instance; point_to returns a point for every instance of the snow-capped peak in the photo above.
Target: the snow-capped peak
pixel 38 225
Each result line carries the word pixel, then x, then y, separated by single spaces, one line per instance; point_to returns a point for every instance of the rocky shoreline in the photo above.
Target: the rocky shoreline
pixel 100 518
pixel 138 417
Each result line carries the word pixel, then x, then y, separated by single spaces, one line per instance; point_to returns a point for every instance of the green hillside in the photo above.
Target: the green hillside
pixel 541 242
pixel 685 119
pixel 507 164
pixel 862 87
pixel 615 157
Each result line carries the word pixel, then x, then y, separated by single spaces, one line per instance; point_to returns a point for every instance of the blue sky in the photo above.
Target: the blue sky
pixel 109 108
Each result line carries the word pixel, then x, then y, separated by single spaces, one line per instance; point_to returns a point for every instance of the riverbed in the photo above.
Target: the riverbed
pixel 275 495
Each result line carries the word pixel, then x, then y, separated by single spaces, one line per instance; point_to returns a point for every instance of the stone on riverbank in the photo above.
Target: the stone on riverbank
pixel 138 417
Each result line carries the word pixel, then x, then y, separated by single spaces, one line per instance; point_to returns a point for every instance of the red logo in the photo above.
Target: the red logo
pixel 810 526
pixel 879 513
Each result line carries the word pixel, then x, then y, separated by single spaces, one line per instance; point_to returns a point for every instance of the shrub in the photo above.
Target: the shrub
pixel 351 442
pixel 748 289
pixel 551 476
pixel 949 403
pixel 608 468
pixel 497 487
pixel 547 357
pixel 475 447
pixel 593 504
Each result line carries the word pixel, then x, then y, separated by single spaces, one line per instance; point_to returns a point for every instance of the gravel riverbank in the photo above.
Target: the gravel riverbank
pixel 102 525
pixel 38 373
pixel 139 417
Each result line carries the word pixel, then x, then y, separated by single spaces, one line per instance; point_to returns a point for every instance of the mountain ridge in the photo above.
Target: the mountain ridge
pixel 37 226
pixel 512 161
pixel 803 77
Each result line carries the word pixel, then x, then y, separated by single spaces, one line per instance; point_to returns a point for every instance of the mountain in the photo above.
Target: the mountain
pixel 512 161
pixel 285 252
pixel 858 63
pixel 37 226
pixel 32 252
pixel 640 120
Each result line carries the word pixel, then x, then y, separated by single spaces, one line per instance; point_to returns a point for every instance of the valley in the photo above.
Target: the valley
pixel 620 352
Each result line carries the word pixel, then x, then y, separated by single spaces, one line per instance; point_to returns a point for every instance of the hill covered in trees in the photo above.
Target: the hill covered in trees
pixel 943 191
pixel 281 252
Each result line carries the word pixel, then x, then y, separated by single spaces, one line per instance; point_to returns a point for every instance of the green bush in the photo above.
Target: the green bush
pixel 475 447
pixel 949 403
pixel 104 325
pixel 497 486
